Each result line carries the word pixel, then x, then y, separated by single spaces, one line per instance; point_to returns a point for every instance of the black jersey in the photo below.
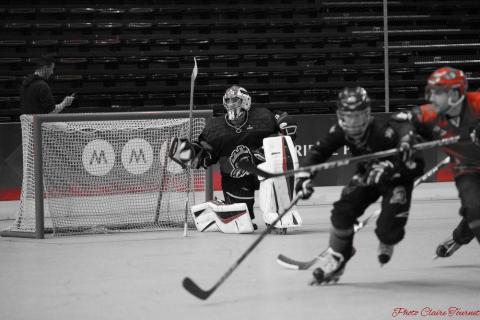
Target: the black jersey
pixel 36 96
pixel 379 136
pixel 231 143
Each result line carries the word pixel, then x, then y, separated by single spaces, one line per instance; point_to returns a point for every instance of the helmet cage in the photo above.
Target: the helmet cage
pixel 354 123
pixel 235 100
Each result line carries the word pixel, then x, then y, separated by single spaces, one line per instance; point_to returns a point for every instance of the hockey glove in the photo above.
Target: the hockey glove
pixel 406 147
pixel 406 150
pixel 475 135
pixel 304 184
pixel 380 173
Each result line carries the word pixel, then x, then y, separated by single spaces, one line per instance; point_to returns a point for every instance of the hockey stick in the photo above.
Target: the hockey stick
pixel 190 135
pixel 198 292
pixel 290 263
pixel 250 167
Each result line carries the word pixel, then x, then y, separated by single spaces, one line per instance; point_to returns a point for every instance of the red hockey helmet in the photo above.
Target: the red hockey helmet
pixel 447 78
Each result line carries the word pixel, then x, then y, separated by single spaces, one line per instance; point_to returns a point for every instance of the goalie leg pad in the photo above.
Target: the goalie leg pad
pixel 218 216
pixel 204 217
pixel 276 194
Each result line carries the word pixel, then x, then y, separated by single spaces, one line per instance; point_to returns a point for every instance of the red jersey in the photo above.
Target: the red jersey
pixel 432 125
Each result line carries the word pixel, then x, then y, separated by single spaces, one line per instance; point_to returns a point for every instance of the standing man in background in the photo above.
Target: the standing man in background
pixel 35 93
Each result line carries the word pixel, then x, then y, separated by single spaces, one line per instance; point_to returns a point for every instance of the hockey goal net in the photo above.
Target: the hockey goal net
pixel 108 172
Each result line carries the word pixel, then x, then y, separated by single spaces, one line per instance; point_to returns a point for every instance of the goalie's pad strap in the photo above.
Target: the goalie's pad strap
pixel 239 197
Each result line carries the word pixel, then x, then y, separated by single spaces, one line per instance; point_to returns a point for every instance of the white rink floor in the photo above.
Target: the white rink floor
pixel 138 276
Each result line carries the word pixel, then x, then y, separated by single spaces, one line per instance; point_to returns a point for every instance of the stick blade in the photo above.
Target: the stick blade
pixel 195 290
pixel 292 264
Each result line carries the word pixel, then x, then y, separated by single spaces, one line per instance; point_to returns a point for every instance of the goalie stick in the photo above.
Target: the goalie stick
pixel 190 135
pixel 198 292
pixel 290 263
pixel 250 167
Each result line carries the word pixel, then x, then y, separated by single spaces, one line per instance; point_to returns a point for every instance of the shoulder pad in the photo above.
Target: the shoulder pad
pixel 473 99
pixel 402 116
pixel 334 128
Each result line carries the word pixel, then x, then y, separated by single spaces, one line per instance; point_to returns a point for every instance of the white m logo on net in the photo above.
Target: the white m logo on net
pixel 99 157
pixel 137 156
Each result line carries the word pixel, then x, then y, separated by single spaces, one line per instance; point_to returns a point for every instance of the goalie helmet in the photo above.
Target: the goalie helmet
pixel 235 100
pixel 353 112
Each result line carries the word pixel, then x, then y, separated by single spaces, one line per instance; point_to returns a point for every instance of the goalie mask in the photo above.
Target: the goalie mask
pixel 441 85
pixel 235 101
pixel 353 112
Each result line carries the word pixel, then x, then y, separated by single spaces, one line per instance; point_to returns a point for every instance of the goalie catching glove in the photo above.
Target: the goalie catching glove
pixel 191 154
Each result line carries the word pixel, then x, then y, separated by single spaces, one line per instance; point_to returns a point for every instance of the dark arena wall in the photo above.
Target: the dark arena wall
pixel 290 55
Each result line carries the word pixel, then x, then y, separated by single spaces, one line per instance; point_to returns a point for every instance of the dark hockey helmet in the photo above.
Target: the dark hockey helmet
pixel 353 111
pixel 235 100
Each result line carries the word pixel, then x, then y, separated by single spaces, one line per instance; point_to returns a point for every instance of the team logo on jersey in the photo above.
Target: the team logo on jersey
pixel 399 195
pixel 389 133
pixel 241 153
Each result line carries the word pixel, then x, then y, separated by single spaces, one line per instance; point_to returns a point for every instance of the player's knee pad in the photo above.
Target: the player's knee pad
pixel 218 216
pixel 343 216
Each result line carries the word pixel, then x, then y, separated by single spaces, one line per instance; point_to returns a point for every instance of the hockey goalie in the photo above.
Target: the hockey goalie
pixel 229 140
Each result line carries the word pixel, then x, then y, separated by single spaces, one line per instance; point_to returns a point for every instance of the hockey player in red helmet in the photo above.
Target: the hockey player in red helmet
pixel 389 178
pixel 453 111
pixel 446 89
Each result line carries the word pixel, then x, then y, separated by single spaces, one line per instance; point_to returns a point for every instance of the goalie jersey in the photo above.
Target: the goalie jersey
pixel 231 144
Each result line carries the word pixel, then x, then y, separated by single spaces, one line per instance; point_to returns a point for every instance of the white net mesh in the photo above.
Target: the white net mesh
pixel 103 176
